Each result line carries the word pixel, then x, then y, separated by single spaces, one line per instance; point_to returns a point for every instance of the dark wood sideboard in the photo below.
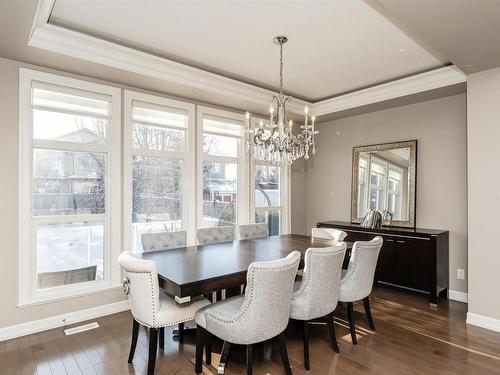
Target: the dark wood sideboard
pixel 411 258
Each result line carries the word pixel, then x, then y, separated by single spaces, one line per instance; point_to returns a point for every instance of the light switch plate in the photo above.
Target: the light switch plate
pixel 460 274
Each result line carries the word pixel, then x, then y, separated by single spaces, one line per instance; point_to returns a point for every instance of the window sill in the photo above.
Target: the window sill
pixel 42 300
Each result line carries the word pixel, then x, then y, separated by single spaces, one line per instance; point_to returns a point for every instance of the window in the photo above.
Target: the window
pixel 394 187
pixel 385 182
pixel 270 184
pixel 362 185
pixel 159 169
pixel 378 172
pixel 222 168
pixel 68 236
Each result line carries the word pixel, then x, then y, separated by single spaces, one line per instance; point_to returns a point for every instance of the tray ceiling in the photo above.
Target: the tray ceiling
pixel 334 46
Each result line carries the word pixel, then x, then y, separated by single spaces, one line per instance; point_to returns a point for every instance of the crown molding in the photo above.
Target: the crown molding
pixel 434 79
pixel 79 45
pixel 75 44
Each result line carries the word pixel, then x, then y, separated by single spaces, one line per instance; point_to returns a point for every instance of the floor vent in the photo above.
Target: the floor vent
pixel 83 328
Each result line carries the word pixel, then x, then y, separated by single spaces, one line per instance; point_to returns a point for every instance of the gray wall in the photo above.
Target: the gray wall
pixel 483 134
pixel 440 128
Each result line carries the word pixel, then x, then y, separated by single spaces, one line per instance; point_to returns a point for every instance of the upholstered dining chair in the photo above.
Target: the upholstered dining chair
pixel 316 295
pixel 163 240
pixel 357 281
pixel 215 235
pixel 259 315
pixel 151 308
pixel 249 231
pixel 208 236
pixel 328 234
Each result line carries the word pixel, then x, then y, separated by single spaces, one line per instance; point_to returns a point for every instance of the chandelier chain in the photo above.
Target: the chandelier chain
pixel 281 69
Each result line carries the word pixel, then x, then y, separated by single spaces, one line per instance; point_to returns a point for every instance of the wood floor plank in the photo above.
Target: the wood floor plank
pixel 411 338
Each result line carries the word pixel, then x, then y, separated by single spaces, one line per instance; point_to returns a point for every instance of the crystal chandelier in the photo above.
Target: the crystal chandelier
pixel 275 141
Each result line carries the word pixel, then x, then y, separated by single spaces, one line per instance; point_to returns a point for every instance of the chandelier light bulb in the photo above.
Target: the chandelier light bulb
pixel 247 115
pixel 306 110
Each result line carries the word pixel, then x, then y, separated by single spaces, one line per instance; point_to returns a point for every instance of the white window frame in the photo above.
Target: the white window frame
pixel 242 199
pixel 285 176
pixel 399 196
pixel 189 189
pixel 28 293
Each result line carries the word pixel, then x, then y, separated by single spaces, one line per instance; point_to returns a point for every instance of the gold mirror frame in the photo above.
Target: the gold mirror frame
pixel 412 170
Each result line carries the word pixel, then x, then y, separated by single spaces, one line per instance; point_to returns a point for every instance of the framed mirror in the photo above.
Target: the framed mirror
pixel 384 179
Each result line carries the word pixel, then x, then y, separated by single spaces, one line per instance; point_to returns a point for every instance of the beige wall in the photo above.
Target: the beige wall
pixel 298 196
pixel 483 133
pixel 440 128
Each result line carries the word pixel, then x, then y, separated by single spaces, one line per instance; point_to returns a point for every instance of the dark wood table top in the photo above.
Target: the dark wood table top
pixel 196 270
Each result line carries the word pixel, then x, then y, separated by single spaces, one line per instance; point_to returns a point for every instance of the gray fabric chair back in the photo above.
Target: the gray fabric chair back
pixel 328 234
pixel 318 293
pixel 163 240
pixel 265 310
pixel 249 231
pixel 214 235
pixel 142 288
pixel 357 282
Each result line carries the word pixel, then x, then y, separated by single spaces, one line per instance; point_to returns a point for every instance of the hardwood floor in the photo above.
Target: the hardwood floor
pixel 411 338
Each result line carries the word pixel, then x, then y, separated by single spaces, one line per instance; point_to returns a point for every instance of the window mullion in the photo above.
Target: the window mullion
pixel 71 112
pixel 221 159
pixel 69 146
pixel 158 154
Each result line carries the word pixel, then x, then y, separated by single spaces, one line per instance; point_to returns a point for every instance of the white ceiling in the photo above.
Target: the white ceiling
pixel 334 46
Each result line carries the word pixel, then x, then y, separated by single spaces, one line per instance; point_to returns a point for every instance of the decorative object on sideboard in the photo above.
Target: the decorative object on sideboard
pixel 275 141
pixel 372 219
pixel 384 180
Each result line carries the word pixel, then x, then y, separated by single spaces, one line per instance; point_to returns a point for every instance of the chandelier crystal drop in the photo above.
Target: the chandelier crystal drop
pixel 275 141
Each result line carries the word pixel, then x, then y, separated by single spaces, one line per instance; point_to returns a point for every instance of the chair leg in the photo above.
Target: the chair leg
pixel 180 329
pixel 133 344
pixel 331 331
pixel 306 344
pixel 224 356
pixel 200 338
pixel 208 348
pixel 283 353
pixel 153 347
pixel 350 316
pixel 366 304
pixel 161 339
pixel 249 359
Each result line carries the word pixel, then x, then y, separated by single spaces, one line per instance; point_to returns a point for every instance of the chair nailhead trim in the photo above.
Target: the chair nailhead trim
pixel 356 260
pixel 250 298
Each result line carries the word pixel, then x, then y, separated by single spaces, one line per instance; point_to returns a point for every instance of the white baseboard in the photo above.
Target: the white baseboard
pixel 483 321
pixel 455 295
pixel 56 321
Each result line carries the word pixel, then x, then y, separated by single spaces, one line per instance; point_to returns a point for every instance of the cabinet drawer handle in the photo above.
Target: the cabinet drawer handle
pixel 401 241
pixel 389 240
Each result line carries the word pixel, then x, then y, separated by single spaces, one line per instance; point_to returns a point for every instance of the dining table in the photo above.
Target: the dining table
pixel 191 271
